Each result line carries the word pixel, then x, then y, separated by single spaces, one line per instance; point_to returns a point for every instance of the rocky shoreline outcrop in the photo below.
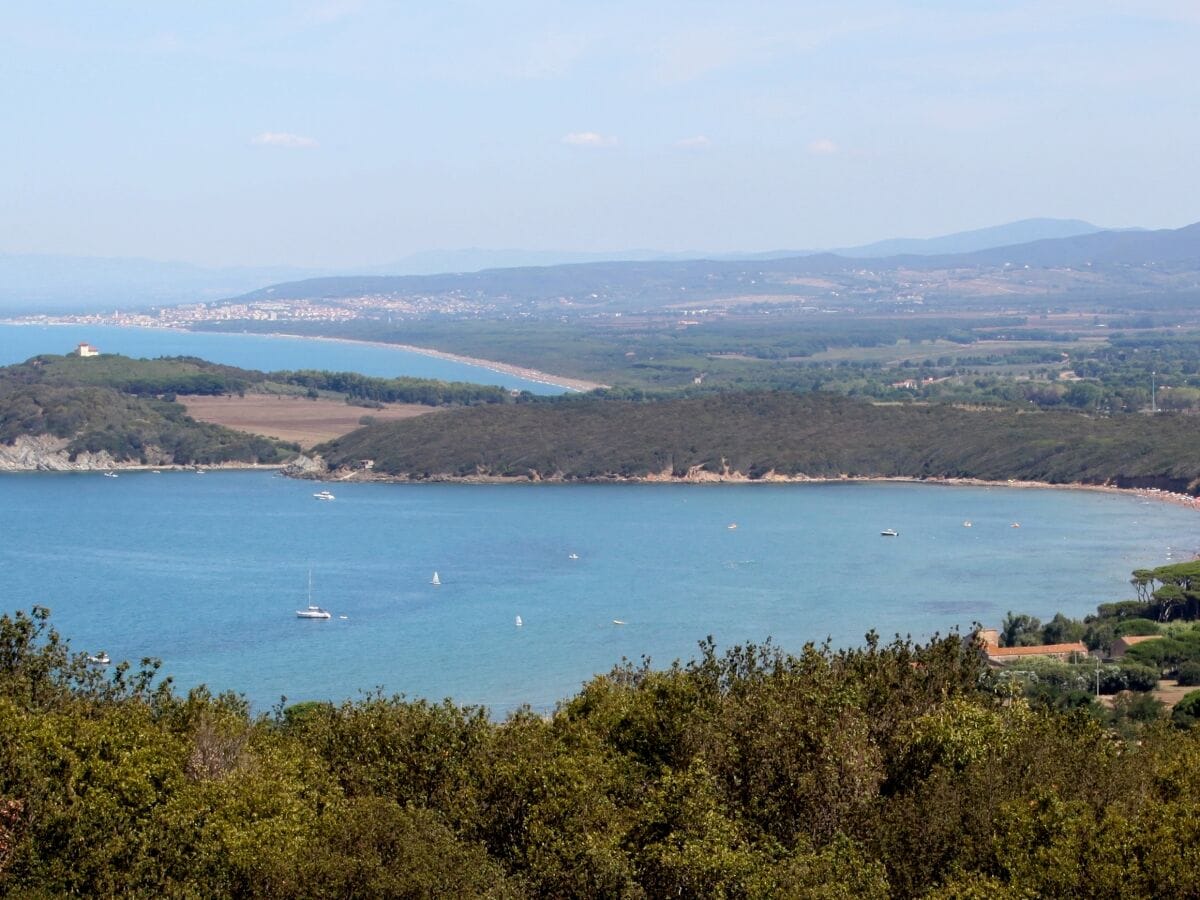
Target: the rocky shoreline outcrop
pixel 46 453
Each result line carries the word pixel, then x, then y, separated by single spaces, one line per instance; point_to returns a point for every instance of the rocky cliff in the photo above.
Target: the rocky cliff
pixel 44 453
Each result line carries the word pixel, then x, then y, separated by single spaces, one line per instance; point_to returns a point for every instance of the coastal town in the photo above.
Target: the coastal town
pixel 375 307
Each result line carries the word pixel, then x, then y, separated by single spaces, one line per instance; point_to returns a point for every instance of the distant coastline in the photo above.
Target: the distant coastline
pixel 491 365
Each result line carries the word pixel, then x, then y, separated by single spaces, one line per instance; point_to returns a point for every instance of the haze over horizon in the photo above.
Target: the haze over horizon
pixel 344 134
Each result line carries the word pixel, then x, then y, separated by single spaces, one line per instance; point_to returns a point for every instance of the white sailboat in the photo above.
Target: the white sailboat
pixel 435 580
pixel 519 622
pixel 312 611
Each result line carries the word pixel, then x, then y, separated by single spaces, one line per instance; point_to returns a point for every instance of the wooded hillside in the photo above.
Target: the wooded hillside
pixel 816 435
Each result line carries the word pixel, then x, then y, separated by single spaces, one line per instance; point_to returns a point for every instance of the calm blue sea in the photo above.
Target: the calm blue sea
pixel 206 571
pixel 250 351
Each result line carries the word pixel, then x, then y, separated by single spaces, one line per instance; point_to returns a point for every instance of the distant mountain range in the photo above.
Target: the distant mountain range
pixel 474 259
pixel 1117 263
pixel 35 283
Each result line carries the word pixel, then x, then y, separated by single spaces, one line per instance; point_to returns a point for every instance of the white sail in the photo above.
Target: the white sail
pixel 519 622
pixel 435 579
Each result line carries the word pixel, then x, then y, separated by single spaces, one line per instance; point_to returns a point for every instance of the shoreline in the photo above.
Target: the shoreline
pixel 365 476
pixel 572 384
pixel 561 381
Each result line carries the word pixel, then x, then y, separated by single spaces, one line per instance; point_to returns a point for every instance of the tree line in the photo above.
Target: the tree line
pixel 758 433
pixel 888 770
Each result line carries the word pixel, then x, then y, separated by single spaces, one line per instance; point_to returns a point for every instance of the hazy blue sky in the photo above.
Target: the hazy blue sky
pixel 342 132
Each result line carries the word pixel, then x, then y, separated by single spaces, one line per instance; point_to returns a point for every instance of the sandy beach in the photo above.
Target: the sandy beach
pixel 572 384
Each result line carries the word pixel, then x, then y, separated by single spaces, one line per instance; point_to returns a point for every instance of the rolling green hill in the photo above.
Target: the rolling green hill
pixel 190 375
pixel 122 407
pixel 756 434
pixel 86 409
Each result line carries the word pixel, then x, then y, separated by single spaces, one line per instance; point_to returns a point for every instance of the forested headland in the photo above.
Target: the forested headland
pixel 124 411
pixel 761 434
pixel 889 770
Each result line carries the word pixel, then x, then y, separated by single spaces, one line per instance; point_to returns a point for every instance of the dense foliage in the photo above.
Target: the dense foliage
pixel 187 375
pixel 788 434
pixel 891 770
pixel 126 407
pixel 130 429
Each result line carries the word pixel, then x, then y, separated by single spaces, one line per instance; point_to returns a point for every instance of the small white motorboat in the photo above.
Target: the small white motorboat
pixel 731 526
pixel 620 622
pixel 110 474
pixel 101 659
pixel 324 495
pixel 573 556
pixel 967 524
pixel 889 532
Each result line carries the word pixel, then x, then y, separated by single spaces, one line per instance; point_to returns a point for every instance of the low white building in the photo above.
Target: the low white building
pixel 86 350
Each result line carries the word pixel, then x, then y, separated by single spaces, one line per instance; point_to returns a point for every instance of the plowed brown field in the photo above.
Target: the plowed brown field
pixel 307 422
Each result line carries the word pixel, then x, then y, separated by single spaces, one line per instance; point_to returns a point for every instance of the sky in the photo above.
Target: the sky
pixel 341 133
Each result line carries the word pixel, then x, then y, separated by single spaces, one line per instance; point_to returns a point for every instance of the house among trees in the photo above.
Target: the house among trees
pixel 1122 644
pixel 86 349
pixel 999 656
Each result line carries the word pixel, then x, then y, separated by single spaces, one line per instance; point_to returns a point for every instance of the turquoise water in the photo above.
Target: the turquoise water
pixel 206 571
pixel 251 351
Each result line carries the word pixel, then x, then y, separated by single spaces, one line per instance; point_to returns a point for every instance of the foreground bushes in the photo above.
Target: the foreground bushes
pixel 897 770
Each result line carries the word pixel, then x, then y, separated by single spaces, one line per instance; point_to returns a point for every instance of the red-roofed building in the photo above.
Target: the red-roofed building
pixel 998 655
pixel 1062 652
pixel 1121 644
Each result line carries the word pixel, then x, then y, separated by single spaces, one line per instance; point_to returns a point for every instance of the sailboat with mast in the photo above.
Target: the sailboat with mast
pixel 312 611
pixel 435 581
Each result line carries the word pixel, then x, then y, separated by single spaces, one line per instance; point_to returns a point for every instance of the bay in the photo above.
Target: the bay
pixel 206 572
pixel 253 351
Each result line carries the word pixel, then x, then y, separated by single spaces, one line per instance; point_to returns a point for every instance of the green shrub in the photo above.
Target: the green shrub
pixel 1143 707
pixel 1112 680
pixel 1188 674
pixel 1137 626
pixel 1187 710
pixel 1138 677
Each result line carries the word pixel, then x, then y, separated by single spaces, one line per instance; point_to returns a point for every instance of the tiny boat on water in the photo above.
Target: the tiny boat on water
pixel 312 611
pixel 889 532
pixel 324 495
